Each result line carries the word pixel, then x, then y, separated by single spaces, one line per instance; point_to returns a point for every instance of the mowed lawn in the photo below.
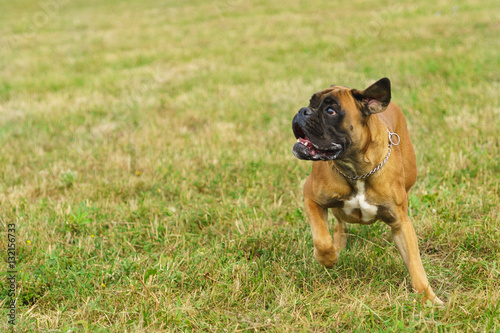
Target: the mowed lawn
pixel 145 157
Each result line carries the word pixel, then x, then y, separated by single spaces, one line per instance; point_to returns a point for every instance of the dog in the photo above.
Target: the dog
pixel 364 166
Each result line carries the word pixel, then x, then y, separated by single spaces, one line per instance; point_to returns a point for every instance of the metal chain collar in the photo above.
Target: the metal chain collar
pixel 378 167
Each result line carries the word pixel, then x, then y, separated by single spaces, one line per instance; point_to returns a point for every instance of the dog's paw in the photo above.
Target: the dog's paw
pixel 326 257
pixel 432 301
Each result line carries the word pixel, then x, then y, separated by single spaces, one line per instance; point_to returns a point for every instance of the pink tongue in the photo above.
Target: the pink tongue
pixel 308 144
pixel 306 140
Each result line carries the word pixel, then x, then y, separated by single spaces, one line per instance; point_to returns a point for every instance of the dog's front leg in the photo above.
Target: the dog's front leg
pixel 406 242
pixel 324 250
pixel 339 232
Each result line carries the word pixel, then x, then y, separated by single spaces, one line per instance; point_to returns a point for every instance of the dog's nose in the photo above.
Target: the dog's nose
pixel 305 111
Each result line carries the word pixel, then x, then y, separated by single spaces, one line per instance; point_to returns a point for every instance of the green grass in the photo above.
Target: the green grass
pixel 145 157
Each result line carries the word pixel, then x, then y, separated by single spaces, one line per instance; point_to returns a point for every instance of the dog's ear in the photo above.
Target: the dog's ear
pixel 375 98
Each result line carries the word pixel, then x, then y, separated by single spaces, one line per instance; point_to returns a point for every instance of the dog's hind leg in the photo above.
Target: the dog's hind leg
pixel 406 242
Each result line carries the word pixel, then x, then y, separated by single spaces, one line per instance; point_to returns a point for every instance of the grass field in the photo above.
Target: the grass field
pixel 145 161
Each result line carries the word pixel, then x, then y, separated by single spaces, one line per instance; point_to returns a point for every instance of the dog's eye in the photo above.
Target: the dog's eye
pixel 330 111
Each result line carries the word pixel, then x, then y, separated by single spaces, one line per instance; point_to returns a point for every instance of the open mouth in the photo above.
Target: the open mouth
pixel 306 150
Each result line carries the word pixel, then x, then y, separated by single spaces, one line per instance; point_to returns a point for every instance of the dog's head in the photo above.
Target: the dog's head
pixel 328 127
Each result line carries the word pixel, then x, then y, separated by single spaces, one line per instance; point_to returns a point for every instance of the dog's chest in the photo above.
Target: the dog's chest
pixel 357 207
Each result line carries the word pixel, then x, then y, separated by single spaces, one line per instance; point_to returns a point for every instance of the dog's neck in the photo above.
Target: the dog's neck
pixel 374 148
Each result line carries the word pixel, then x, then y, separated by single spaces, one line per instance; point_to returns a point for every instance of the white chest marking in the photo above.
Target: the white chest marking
pixel 368 212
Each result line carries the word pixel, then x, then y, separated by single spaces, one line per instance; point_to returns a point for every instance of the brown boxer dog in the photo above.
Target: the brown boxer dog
pixel 364 166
